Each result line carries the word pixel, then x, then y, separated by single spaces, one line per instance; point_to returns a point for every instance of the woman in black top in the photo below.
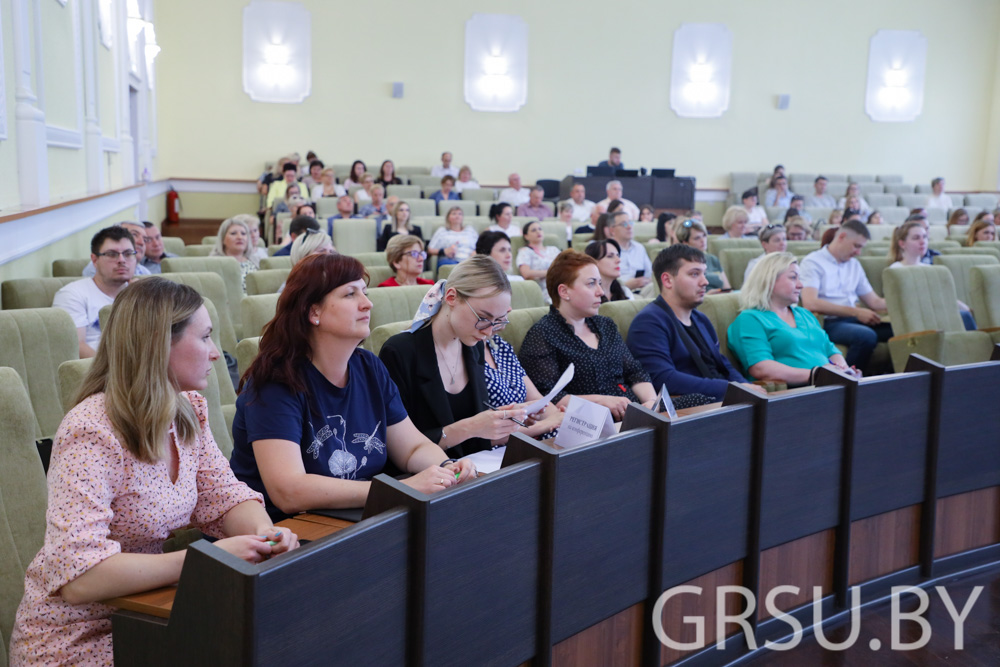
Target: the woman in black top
pixel 398 222
pixel 438 368
pixel 573 332
pixel 608 255
pixel 387 175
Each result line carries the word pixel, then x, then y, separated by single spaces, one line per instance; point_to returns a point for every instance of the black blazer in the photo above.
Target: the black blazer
pixel 413 366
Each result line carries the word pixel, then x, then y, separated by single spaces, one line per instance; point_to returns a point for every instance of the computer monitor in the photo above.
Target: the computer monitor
pixel 663 173
pixel 627 173
pixel 600 171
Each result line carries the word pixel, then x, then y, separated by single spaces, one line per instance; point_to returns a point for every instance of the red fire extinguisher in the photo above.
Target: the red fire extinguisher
pixel 173 206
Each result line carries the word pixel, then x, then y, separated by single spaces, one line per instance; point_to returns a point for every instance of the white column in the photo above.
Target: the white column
pixel 91 123
pixel 29 120
pixel 122 62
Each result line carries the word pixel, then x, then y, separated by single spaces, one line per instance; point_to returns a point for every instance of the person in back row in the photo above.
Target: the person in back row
pixel 155 252
pixel 674 342
pixel 772 239
pixel 820 198
pixel 636 267
pixel 614 190
pixel 535 207
pixel 833 282
pixel 138 233
pixel 582 206
pixel 112 252
pixel 318 416
pixel 514 195
pixel 296 228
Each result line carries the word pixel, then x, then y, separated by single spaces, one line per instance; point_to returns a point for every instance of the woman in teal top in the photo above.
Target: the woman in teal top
pixel 773 338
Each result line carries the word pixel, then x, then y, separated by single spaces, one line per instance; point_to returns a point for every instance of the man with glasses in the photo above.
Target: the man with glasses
pixel 138 233
pixel 112 253
pixel 155 252
pixel 635 264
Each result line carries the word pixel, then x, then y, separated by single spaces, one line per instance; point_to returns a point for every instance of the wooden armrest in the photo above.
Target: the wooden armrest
pixel 990 329
pixel 915 334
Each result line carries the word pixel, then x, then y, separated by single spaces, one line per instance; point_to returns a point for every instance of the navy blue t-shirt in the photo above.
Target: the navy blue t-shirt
pixel 341 430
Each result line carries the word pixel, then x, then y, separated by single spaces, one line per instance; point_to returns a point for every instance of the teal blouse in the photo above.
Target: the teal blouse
pixel 758 335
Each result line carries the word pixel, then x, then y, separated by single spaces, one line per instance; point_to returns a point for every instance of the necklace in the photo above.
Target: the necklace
pixel 451 369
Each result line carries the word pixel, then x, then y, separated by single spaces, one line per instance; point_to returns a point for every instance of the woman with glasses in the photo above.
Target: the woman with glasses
pixel 438 364
pixel 318 416
pixel 773 239
pixel 454 242
pixel 609 262
pixel 693 233
pixel 406 256
pixel 573 333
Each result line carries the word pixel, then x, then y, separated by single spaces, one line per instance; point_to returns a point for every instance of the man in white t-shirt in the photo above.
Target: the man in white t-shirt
pixel 634 258
pixel 833 280
pixel 514 195
pixel 138 233
pixel 939 199
pixel 820 198
pixel 112 251
pixel 615 190
pixel 582 206
pixel 445 168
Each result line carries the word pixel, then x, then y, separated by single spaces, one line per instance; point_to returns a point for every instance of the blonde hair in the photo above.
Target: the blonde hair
pixel 478 277
pixel 683 230
pixel 759 285
pixel 975 228
pixel 306 244
pixel 397 246
pixel 141 410
pixel 732 214
pixel 249 251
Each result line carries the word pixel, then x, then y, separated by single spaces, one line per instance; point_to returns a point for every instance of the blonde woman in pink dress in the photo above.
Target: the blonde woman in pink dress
pixel 133 461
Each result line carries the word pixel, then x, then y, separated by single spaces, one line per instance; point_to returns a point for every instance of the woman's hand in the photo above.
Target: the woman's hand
pixel 431 480
pixel 251 548
pixel 494 425
pixel 463 469
pixel 617 405
pixel 451 250
pixel 284 539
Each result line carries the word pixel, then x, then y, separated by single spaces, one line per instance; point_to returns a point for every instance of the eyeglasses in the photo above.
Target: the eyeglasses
pixel 483 323
pixel 624 223
pixel 417 254
pixel 114 254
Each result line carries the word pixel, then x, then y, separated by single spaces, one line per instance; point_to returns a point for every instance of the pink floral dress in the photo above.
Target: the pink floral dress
pixel 103 501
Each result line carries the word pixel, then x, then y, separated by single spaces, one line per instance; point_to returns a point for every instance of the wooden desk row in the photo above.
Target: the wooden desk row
pixel 559 557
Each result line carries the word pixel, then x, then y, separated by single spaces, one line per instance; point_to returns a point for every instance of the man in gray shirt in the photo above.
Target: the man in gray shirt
pixel 820 198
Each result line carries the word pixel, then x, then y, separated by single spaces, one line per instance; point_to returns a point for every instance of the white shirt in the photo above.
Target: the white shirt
pixel 635 258
pixel 938 201
pixel 83 300
pixel 840 283
pixel 865 209
pixel 757 216
pixel 511 232
pixel 530 258
pixel 630 209
pixel 338 191
pixel 467 185
pixel 514 197
pixel 441 171
pixel 465 239
pixel 582 211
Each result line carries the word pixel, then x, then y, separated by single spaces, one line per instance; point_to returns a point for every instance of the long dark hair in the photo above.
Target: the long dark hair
pixel 285 343
pixel 661 225
pixel 599 250
pixel 363 170
pixel 497 209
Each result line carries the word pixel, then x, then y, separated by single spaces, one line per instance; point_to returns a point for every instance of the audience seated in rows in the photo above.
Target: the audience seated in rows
pixel 693 233
pixel 665 228
pixel 535 207
pixel 608 253
pixel 582 207
pixel 778 195
pixel 445 168
pixel 772 239
pixel 674 342
pixel 833 282
pixel 298 226
pixel 647 213
pixel 735 222
pixel 363 194
pixel 465 180
pixel 982 229
pixel 328 186
pixel 318 416
pixel 376 208
pixel 277 190
pixel 938 199
pixel 314 177
pixel 345 211
pixel 797 229
pixel 400 224
pixel 155 252
pixel 138 233
pixel 636 267
pixel 774 338
pixel 535 258
pixel 514 194
pixel 447 191
pixel 234 241
pixel 112 252
pixel 852 199
pixel 357 175
pixel 438 363
pixel 820 198
pixel 614 191
pixel 756 215
pixel 573 333
pixel 387 175
pixel 132 462
pixel 502 217
pixel 454 242
pixel 406 255
pixel 496 246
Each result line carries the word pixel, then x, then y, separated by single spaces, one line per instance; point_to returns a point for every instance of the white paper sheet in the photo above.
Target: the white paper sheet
pixel 488 460
pixel 540 404
pixel 584 422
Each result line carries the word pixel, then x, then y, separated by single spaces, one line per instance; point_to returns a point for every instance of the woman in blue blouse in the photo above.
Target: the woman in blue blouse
pixel 774 338
pixel 508 384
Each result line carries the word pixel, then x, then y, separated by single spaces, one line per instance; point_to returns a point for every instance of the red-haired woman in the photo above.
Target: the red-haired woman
pixel 318 416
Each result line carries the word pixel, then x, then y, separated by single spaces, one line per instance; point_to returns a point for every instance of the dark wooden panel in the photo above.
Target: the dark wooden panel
pixel 969 450
pixel 347 601
pixel 884 543
pixel 967 521
pixel 679 607
pixel 614 641
pixel 891 428
pixel 707 490
pixel 805 563
pixel 800 486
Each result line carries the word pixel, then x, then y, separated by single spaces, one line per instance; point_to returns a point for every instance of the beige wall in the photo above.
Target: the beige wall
pixel 211 205
pixel 599 75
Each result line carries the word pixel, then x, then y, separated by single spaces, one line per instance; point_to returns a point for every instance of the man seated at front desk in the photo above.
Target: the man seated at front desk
pixel 673 341
pixel 614 160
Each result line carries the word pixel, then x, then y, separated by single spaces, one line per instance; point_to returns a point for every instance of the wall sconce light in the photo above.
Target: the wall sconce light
pixel 496 62
pixel 701 70
pixel 277 52
pixel 896 63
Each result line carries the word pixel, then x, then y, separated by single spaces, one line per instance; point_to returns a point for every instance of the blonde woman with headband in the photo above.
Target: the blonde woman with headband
pixel 773 337
pixel 133 461
pixel 438 363
pixel 772 239
pixel 233 241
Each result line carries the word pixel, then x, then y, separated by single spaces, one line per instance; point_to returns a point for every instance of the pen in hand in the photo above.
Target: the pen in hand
pixel 518 422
